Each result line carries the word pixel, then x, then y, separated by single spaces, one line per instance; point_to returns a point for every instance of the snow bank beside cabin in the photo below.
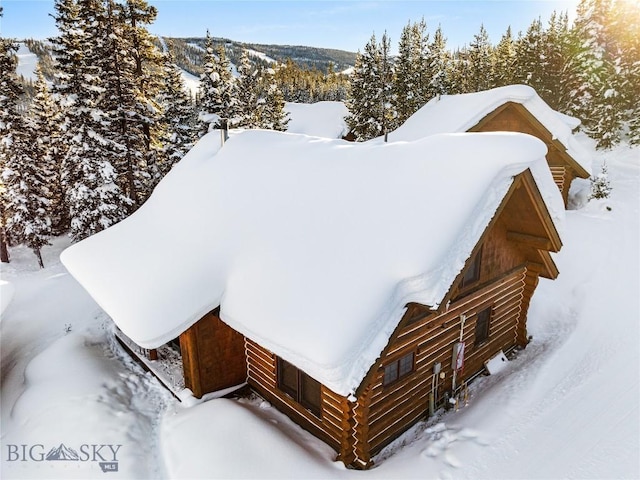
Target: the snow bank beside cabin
pixel 458 113
pixel 320 119
pixel 311 247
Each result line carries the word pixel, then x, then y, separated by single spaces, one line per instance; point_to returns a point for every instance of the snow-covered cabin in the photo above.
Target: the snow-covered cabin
pixel 335 279
pixel 514 108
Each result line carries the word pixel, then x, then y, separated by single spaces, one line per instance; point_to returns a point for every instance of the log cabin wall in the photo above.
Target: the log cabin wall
pixel 504 286
pixel 332 425
pixel 212 356
pixel 513 117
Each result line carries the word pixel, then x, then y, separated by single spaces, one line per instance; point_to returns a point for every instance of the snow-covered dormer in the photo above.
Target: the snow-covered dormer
pixel 513 108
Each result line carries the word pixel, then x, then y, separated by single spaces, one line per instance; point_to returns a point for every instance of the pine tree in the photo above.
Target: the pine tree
pixel 24 177
pixel 26 180
pixel 459 73
pixel 504 61
pixel 369 102
pixel 271 113
pixel 148 64
pixel 245 111
pixel 92 195
pixel 179 115
pixel 438 62
pixel 596 96
pixel 531 60
pixel 119 101
pixel 479 57
pixel 10 123
pixel 216 88
pixel 46 115
pixel 556 52
pixel 600 185
pixel 625 43
pixel 412 72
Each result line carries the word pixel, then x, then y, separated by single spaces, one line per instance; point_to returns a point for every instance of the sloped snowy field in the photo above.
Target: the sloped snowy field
pixel 567 407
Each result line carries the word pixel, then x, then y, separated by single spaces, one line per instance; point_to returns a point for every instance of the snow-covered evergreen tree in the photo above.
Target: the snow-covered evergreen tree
pixel 438 62
pixel 369 102
pixel 92 195
pixel 412 72
pixel 504 61
pixel 45 117
pixel 26 181
pixel 531 61
pixel 479 56
pixel 10 123
pixel 179 116
pixel 246 94
pixel 556 53
pixel 596 96
pixel 600 185
pixel 148 65
pixel 216 97
pixel 271 113
pixel 24 176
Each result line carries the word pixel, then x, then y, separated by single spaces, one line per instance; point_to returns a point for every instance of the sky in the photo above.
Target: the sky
pixel 344 25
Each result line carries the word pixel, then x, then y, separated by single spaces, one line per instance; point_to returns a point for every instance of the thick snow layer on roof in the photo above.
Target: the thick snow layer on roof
pixel 320 119
pixel 311 247
pixel 458 113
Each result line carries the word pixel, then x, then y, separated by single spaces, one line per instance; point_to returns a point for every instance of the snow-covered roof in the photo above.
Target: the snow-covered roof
pixel 312 247
pixel 459 113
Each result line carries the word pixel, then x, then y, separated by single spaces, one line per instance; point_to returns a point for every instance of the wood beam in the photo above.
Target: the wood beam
pixel 541 243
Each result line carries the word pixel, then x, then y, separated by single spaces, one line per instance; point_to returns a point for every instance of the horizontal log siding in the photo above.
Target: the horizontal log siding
pixel 558 172
pixel 333 427
pixel 394 408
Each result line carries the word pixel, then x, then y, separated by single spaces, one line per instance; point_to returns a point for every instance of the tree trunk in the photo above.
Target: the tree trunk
pixel 39 255
pixel 4 251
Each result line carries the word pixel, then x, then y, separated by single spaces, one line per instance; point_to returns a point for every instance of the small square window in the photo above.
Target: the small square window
pixel 406 364
pixel 390 373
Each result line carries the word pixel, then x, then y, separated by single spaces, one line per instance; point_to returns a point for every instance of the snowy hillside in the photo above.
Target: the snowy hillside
pixel 566 407
pixel 27 63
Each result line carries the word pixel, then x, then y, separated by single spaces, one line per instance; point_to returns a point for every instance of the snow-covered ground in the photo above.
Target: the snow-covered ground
pixel 567 407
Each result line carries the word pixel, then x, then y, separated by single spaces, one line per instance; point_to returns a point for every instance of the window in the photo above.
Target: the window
pixel 473 272
pixel 398 369
pixel 482 325
pixel 299 386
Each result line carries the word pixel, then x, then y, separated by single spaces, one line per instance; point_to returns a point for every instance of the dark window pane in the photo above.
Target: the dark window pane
pixel 310 395
pixel 473 272
pixel 390 373
pixel 288 378
pixel 406 364
pixel 482 325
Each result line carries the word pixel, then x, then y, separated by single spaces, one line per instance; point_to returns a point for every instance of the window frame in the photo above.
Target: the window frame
pixel 299 394
pixel 472 273
pixel 395 366
pixel 484 333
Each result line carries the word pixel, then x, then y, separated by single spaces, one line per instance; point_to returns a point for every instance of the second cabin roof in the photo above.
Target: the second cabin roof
pixel 459 113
